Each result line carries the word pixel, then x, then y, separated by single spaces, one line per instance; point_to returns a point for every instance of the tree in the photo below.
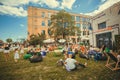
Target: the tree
pixel 36 39
pixel 9 40
pixel 62 25
pixel 1 43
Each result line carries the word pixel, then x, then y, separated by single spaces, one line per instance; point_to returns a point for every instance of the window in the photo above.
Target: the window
pixel 79 34
pixel 83 19
pixel 84 26
pixel 49 15
pixel 77 18
pixel 84 32
pixel 87 19
pixel 43 32
pixel 88 32
pixel 65 24
pixel 102 25
pixel 43 23
pixel 78 24
pixel 49 22
pixel 43 14
pixel 73 18
pixel 49 32
pixel 60 24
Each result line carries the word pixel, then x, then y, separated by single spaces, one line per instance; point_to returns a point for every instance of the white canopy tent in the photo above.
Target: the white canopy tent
pixel 61 40
pixel 48 41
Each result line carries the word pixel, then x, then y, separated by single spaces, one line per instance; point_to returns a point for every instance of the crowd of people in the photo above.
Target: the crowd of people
pixel 36 54
pixel 87 52
pixel 18 51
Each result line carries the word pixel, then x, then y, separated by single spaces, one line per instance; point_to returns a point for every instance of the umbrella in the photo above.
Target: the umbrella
pixel 61 40
pixel 48 41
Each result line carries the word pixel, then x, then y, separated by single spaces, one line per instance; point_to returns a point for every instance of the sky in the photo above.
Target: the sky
pixel 13 13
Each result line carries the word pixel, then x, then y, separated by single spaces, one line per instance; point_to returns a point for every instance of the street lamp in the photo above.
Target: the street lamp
pixel 91 29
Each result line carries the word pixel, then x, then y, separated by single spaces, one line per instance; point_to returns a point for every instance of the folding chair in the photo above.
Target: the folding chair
pixel 115 65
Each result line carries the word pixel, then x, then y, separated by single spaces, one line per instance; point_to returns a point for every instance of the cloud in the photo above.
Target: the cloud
pixel 55 3
pixel 103 1
pixel 22 25
pixel 104 6
pixel 67 4
pixel 76 6
pixel 34 1
pixel 13 11
pixel 50 3
pixel 13 8
pixel 14 2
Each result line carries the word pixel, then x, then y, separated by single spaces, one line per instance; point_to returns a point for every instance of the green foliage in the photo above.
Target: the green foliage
pixel 9 40
pixel 36 39
pixel 62 24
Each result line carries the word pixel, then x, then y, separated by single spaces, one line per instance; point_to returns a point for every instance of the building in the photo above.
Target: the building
pixel 39 22
pixel 105 25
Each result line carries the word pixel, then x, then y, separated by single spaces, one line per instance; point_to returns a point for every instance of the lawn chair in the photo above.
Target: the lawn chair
pixel 112 65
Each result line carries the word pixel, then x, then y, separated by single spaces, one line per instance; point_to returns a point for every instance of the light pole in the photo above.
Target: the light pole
pixel 91 29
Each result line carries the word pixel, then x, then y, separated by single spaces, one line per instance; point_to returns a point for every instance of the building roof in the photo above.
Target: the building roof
pixel 59 10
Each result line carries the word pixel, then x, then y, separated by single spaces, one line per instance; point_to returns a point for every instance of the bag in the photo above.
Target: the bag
pixel 60 62
pixel 27 56
pixel 36 59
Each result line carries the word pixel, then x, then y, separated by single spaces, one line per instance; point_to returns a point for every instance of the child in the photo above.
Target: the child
pixel 21 51
pixel 16 55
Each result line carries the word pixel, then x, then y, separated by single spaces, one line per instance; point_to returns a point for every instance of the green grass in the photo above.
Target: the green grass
pixel 47 70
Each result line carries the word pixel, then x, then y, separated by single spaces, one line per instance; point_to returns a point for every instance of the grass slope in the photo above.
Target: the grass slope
pixel 47 70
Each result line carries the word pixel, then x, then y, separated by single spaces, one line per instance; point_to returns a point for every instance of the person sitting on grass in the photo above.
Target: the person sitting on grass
pixel 71 51
pixel 31 52
pixel 6 52
pixel 16 55
pixel 72 64
pixel 83 52
pixel 118 56
pixel 43 51
pixel 37 57
pixel 101 53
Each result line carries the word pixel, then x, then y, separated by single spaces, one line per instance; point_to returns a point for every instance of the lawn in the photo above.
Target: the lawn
pixel 48 70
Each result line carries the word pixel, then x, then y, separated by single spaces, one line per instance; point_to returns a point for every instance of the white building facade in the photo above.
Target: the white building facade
pixel 105 26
